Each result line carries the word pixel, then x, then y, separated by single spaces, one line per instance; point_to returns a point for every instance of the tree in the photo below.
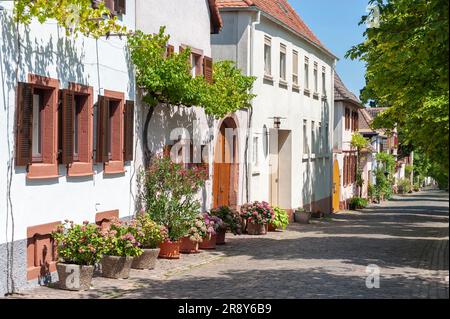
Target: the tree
pixel 360 143
pixel 407 70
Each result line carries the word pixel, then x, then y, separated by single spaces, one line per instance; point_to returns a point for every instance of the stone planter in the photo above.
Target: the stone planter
pixel 74 277
pixel 257 229
pixel 220 236
pixel 208 242
pixel 170 250
pixel 116 267
pixel 302 217
pixel 147 260
pixel 188 246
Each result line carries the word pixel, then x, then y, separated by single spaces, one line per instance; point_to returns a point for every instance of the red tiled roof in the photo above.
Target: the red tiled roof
pixel 281 10
pixel 341 93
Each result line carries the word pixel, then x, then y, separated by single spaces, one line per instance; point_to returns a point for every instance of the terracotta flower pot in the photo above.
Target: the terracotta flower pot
pixel 116 267
pixel 208 242
pixel 220 236
pixel 147 260
pixel 272 228
pixel 170 250
pixel 188 246
pixel 256 229
pixel 74 277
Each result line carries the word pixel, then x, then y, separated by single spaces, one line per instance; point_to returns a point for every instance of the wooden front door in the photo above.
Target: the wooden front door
pixel 336 187
pixel 224 168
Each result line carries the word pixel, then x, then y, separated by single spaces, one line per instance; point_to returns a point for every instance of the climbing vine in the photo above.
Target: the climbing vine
pixel 90 18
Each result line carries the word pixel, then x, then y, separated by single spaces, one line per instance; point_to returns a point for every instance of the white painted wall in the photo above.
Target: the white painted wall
pixel 311 175
pixel 45 50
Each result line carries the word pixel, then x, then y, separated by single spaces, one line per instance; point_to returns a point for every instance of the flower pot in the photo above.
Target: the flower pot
pixel 188 246
pixel 208 242
pixel 272 228
pixel 256 229
pixel 116 267
pixel 302 217
pixel 74 277
pixel 147 260
pixel 220 236
pixel 170 250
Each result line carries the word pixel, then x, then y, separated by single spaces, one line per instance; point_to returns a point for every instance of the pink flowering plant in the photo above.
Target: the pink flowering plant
pixel 198 229
pixel 213 224
pixel 230 217
pixel 258 213
pixel 79 244
pixel 145 231
pixel 120 240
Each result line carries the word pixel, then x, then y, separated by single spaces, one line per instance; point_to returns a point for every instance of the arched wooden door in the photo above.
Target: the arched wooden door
pixel 226 166
pixel 336 187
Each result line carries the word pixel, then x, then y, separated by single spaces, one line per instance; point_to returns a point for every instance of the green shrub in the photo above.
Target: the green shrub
pixel 416 187
pixel 281 219
pixel 404 186
pixel 358 203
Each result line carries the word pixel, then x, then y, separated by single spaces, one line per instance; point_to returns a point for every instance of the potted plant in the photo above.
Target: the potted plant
pixel 280 221
pixel 149 235
pixel 231 221
pixel 258 216
pixel 213 224
pixel 170 198
pixel 302 216
pixel 196 233
pixel 79 248
pixel 120 249
pixel 358 203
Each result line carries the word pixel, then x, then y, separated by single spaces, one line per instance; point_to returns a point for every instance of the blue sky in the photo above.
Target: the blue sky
pixel 335 23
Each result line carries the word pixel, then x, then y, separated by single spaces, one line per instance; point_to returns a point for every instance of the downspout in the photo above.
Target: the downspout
pixel 250 113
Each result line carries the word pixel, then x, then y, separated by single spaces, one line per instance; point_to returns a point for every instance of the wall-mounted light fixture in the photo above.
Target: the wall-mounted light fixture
pixel 277 121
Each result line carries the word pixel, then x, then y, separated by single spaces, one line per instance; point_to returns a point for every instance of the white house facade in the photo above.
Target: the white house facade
pixel 284 152
pixel 54 85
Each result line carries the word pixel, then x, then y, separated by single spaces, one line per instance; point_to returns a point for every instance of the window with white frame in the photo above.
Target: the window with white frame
pixel 255 151
pixel 313 137
pixel 306 73
pixel 295 67
pixel 305 137
pixel 324 81
pixel 283 62
pixel 267 56
pixel 319 144
pixel 316 77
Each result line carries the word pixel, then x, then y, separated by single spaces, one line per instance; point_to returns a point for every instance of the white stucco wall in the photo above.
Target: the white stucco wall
pixel 311 175
pixel 46 51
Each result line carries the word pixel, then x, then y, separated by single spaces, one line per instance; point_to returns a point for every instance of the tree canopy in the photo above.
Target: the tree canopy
pixel 406 55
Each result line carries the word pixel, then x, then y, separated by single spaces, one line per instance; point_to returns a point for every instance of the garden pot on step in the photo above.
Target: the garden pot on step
pixel 170 250
pixel 256 229
pixel 220 236
pixel 302 217
pixel 188 246
pixel 74 277
pixel 116 267
pixel 272 228
pixel 208 242
pixel 147 260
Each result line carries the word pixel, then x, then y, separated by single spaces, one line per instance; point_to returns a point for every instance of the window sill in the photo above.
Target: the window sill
pixel 42 171
pixel 316 96
pixel 114 167
pixel 268 78
pixel 307 92
pixel 80 169
pixel 295 88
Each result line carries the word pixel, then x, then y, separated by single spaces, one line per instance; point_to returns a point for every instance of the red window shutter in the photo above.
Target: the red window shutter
pixel 24 124
pixel 102 155
pixel 120 6
pixel 67 118
pixel 128 130
pixel 208 69
pixel 170 50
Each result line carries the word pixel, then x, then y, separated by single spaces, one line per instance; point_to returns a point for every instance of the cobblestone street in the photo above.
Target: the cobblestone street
pixel 407 238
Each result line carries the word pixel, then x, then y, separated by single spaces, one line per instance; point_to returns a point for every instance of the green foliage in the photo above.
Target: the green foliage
pixel 424 167
pixel 281 219
pixel 404 186
pixel 359 142
pixel 168 80
pixel 73 15
pixel 407 70
pixel 169 195
pixel 230 217
pixel 79 244
pixel 358 203
pixel 409 169
pixel 383 184
pixel 120 241
pixel 387 161
pixel 148 233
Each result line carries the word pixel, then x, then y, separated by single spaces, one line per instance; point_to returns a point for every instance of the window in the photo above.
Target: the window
pixel 320 145
pixel 324 82
pixel 347 119
pixel 36 133
pixel 255 150
pixel 313 137
pixel 283 62
pixel 267 56
pixel 316 78
pixel 306 73
pixel 355 119
pixel 196 65
pixel 116 7
pixel 305 137
pixel 326 139
pixel 295 67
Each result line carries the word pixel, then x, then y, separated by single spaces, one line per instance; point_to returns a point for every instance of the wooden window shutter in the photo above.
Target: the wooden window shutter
pixel 120 6
pixel 102 155
pixel 208 69
pixel 170 50
pixel 24 124
pixel 128 131
pixel 68 113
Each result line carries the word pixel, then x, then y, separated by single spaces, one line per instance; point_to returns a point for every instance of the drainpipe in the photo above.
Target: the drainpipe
pixel 250 113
